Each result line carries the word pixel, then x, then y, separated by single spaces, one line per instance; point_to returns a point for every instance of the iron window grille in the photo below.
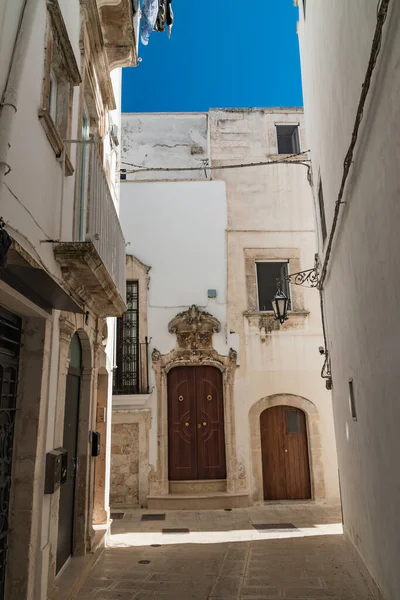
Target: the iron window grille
pixel 10 344
pixel 131 373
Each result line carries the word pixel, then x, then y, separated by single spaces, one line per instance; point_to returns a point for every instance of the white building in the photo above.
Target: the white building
pixel 350 55
pixel 60 82
pixel 192 428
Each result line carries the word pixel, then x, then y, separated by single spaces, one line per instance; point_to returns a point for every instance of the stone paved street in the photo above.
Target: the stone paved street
pixel 224 557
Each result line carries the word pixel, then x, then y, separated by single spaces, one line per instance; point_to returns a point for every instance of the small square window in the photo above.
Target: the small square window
pixel 293 421
pixel 268 273
pixel 288 139
pixel 322 212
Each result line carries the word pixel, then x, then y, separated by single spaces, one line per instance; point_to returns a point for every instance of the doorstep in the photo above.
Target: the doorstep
pixel 198 501
pixel 70 579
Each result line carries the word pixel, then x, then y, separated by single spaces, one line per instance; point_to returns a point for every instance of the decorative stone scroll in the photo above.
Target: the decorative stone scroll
pixel 194 329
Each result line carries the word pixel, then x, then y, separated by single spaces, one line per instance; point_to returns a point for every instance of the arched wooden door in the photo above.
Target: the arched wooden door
pixel 66 514
pixel 284 448
pixel 196 435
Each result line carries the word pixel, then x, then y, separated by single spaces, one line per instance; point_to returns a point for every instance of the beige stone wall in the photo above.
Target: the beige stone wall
pixel 125 465
pixel 270 218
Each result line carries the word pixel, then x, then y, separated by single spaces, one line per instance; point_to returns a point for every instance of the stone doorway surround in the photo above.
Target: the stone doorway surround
pixel 194 330
pixel 314 443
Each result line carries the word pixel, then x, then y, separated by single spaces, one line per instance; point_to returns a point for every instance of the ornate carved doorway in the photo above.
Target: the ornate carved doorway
pixel 196 435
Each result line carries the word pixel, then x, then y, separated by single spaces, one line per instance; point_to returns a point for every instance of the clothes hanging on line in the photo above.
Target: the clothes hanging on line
pixel 149 16
pixel 156 15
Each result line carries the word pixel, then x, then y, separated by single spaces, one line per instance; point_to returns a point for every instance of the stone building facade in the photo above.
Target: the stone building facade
pixel 60 286
pixel 207 248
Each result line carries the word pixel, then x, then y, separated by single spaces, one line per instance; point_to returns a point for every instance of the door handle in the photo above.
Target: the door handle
pixel 285 450
pixel 204 424
pixel 186 424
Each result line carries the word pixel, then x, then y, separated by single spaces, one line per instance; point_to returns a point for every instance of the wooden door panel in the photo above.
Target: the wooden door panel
pixel 273 453
pixel 182 441
pixel 67 491
pixel 297 465
pixel 210 424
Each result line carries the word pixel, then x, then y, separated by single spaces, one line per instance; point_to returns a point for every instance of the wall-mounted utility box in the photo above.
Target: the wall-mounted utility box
pixel 212 293
pixel 95 443
pixel 56 470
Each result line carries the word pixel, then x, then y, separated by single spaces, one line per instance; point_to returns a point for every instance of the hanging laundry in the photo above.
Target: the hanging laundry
pixel 170 17
pixel 165 16
pixel 150 9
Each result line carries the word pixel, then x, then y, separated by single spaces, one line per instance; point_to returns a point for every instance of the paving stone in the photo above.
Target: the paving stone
pixel 224 558
pixel 227 586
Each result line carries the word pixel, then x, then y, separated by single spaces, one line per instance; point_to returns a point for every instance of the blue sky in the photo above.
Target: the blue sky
pixel 222 54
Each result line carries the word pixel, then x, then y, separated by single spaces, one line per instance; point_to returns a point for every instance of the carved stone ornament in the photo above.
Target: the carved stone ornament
pixel 232 355
pixel 155 356
pixel 194 329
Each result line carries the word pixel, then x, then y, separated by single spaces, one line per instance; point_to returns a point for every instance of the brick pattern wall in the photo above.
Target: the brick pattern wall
pixel 125 465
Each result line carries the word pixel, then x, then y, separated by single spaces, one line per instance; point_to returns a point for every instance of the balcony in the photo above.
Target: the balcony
pixel 131 375
pixel 119 22
pixel 95 268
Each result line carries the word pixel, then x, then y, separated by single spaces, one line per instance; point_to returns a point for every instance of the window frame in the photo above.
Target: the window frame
pixel 297 129
pixel 60 66
pixel 288 286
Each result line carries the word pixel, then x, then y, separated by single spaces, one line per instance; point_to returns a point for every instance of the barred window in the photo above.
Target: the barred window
pixel 126 380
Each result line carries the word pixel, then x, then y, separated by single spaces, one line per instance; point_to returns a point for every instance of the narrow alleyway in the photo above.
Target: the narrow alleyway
pixel 282 551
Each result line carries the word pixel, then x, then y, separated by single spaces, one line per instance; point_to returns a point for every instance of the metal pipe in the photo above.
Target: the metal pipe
pixel 9 99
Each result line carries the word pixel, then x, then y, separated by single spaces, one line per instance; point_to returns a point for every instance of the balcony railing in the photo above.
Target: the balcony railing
pixel 104 228
pixel 131 375
pixel 95 265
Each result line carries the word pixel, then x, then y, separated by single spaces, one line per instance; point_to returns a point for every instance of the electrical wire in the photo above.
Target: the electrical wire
pixel 28 211
pixel 382 12
pixel 286 160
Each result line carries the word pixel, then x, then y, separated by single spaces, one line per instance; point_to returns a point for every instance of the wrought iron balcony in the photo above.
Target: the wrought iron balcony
pixel 131 376
pixel 94 267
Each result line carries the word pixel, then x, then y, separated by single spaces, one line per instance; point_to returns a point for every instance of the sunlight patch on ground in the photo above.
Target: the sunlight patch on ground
pixel 145 538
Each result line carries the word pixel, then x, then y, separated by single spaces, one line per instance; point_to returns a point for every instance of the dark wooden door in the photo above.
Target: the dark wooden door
pixel 284 448
pixel 211 461
pixel 182 424
pixel 67 491
pixel 196 436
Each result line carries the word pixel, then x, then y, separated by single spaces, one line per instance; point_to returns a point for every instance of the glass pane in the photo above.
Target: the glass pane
pixel 268 273
pixel 293 421
pixel 288 141
pixel 75 352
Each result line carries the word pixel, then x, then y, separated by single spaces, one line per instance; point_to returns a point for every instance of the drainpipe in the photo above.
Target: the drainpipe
pixel 9 99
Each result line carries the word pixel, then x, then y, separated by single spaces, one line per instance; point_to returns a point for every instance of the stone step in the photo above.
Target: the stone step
pixel 199 501
pixel 203 486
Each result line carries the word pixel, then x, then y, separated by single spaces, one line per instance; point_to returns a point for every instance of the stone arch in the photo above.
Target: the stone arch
pixel 314 442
